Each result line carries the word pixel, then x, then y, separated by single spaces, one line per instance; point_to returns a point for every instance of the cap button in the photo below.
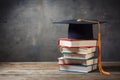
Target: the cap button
pixel 79 20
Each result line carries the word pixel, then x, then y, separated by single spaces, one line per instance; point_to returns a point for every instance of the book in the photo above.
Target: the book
pixel 78 50
pixel 67 42
pixel 78 56
pixel 78 68
pixel 87 62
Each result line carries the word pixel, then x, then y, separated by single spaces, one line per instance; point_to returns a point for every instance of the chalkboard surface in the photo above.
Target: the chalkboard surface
pixel 28 34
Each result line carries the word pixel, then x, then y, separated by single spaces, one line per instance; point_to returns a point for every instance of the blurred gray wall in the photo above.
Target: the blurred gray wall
pixel 27 32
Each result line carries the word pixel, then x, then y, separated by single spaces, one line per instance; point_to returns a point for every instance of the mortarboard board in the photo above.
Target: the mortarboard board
pixel 79 30
pixel 82 29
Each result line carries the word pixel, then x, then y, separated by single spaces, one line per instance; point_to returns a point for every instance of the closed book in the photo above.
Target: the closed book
pixel 78 56
pixel 78 68
pixel 67 42
pixel 78 50
pixel 87 62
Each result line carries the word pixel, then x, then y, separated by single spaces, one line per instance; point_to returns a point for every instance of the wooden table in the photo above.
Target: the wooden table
pixel 50 71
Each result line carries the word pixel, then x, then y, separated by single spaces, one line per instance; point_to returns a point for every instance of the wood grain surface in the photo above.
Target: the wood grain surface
pixel 50 71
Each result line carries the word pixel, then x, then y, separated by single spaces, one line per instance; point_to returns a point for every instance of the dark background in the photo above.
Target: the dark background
pixel 27 32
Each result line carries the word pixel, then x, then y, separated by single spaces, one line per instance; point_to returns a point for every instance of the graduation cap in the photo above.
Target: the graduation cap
pixel 83 29
pixel 79 29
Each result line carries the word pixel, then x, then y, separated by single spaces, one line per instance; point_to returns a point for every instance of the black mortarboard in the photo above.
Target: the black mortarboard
pixel 79 30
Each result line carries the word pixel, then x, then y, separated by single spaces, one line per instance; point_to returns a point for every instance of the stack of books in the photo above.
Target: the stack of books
pixel 78 49
pixel 77 55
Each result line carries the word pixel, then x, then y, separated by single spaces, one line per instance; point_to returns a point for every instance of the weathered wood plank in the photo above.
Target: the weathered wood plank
pixel 50 71
pixel 46 72
pixel 43 65
pixel 59 77
pixel 29 65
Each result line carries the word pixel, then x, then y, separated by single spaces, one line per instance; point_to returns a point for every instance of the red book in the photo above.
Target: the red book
pixel 67 42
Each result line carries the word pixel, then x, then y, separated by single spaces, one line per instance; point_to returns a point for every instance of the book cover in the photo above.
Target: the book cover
pixel 84 62
pixel 67 42
pixel 78 68
pixel 78 50
pixel 78 56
